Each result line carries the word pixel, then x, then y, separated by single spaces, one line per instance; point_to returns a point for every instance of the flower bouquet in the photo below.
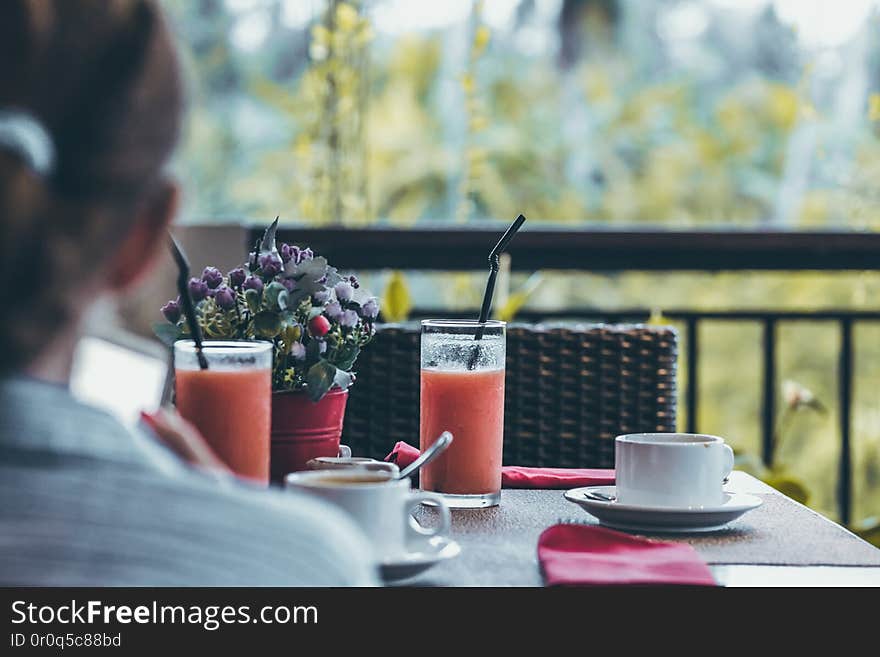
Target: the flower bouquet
pixel 317 319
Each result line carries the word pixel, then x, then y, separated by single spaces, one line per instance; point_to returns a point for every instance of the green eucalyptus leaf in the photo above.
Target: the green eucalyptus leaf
pixel 343 379
pixel 308 273
pixel 313 268
pixel 283 299
pixel 313 351
pixel 296 297
pixel 319 379
pixel 167 333
pixel 252 298
pixel 333 277
pixel 267 323
pixel 270 294
pixel 346 355
pixel 267 244
pixel 315 311
pixel 288 317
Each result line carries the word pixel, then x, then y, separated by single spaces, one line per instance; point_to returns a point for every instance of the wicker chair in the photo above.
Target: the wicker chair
pixel 569 390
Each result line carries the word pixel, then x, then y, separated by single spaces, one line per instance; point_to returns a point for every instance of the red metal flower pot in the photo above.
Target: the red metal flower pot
pixel 303 430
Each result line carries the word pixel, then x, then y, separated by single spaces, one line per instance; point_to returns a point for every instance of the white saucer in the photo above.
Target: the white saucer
pixel 419 558
pixel 658 519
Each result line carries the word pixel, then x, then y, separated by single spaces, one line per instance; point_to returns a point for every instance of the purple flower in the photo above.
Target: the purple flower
pixel 344 291
pixel 290 252
pixel 253 283
pixel 370 309
pixel 198 289
pixel 333 311
pixel 270 264
pixel 224 298
pixel 213 277
pixel 237 276
pixel 349 318
pixel 322 296
pixel 298 351
pixel 306 254
pixel 355 283
pixel 171 310
pixel 289 284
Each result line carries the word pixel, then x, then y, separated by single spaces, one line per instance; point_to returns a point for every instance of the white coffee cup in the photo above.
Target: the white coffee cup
pixel 380 504
pixel 673 470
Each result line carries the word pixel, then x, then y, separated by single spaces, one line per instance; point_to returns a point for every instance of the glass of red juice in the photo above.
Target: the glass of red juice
pixel 462 391
pixel 230 402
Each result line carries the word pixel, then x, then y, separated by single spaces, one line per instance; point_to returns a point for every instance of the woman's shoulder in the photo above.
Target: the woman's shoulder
pixel 297 533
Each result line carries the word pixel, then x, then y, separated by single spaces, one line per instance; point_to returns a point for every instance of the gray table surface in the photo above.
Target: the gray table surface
pixel 499 545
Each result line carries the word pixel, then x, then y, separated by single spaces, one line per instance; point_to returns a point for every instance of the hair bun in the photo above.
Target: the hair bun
pixel 23 134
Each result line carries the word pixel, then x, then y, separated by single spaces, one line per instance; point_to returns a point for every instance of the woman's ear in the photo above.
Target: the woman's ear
pixel 149 233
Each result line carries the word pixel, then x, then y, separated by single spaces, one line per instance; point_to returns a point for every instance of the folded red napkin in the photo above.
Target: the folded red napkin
pixel 516 476
pixel 583 555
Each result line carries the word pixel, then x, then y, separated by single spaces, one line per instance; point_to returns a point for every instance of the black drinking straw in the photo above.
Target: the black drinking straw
pixel 494 264
pixel 189 310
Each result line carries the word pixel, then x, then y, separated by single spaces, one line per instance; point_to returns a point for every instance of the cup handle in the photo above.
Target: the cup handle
pixel 727 468
pixel 344 451
pixel 417 498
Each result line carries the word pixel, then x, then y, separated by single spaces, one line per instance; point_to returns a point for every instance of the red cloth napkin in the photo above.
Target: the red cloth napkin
pixel 583 555
pixel 516 476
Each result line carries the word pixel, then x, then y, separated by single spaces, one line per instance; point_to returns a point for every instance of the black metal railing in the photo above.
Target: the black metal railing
pixel 444 249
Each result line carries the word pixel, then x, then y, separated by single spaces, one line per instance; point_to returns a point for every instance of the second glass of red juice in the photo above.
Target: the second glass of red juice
pixel 230 402
pixel 462 391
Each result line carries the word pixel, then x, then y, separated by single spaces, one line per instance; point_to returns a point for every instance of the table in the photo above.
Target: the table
pixel 782 543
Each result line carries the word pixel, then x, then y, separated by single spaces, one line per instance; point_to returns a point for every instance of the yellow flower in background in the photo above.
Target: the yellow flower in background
pixel 481 40
pixel 467 83
pixel 346 17
pixel 597 85
pixel 874 107
pixel 783 105
pixel 320 35
pixel 396 302
pixel 302 147
pixel 709 148
pixel 478 123
pixel 518 299
pixel 657 318
pixel 365 33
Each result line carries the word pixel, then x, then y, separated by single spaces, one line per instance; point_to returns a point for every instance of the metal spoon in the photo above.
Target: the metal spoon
pixel 596 495
pixel 436 448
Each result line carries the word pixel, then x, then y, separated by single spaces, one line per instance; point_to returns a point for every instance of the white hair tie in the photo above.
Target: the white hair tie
pixel 23 134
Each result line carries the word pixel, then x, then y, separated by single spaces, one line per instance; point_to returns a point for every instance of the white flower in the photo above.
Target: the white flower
pixel 796 395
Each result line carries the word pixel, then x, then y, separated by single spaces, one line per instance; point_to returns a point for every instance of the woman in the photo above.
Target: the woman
pixel 90 110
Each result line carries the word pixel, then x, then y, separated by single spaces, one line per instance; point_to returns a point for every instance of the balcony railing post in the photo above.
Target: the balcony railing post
pixel 693 350
pixel 845 377
pixel 768 407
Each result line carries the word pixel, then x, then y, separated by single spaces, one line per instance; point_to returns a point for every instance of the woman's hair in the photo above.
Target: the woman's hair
pixel 102 79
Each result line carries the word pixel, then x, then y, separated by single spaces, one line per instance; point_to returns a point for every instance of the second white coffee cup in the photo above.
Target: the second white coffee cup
pixel 381 505
pixel 672 470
